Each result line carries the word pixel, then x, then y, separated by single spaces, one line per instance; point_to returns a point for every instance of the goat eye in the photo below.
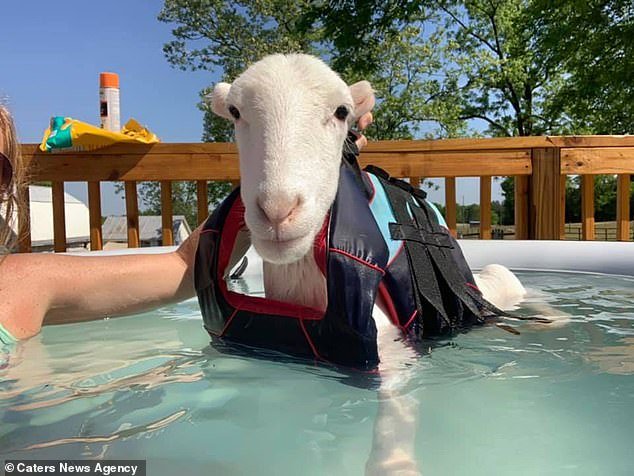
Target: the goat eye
pixel 341 113
pixel 234 112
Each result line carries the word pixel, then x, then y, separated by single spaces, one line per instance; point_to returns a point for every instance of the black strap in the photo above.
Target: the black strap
pixel 444 264
pixel 496 311
pixel 418 254
pixel 403 232
pixel 428 250
pixel 349 157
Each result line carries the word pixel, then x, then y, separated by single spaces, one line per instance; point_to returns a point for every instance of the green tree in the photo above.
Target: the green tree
pixel 604 202
pixel 527 48
pixel 497 213
pixel 505 81
pixel 593 42
pixel 358 30
pixel 490 64
pixel 467 213
pixel 413 100
pixel 507 214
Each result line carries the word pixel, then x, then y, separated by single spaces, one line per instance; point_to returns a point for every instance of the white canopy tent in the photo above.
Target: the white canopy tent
pixel 41 205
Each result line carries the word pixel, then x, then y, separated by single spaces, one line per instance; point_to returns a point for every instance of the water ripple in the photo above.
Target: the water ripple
pixel 123 434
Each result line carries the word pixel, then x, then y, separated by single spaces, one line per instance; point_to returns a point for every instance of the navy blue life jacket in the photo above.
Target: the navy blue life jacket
pixel 381 238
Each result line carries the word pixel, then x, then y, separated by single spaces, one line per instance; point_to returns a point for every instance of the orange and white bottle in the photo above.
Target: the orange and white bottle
pixel 109 102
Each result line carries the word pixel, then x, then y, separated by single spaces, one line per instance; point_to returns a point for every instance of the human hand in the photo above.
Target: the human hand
pixel 363 123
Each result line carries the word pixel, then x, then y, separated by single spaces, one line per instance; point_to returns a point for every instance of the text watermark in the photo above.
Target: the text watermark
pixel 75 467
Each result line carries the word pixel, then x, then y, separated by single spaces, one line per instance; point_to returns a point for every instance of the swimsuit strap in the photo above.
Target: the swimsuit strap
pixel 6 337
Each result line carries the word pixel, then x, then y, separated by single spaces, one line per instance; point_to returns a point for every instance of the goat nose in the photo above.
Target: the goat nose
pixel 278 209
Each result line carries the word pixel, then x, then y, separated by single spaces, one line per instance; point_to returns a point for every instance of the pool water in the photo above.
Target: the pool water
pixel 554 401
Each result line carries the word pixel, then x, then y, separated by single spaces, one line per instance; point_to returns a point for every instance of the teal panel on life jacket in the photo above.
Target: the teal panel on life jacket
pixel 441 219
pixel 383 214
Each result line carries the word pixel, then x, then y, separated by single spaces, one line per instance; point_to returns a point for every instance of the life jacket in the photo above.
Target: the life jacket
pixel 381 238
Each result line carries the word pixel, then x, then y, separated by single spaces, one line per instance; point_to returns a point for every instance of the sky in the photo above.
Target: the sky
pixel 51 55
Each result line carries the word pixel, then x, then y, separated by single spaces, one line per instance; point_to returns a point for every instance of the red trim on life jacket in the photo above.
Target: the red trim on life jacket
pixel 226 326
pixel 309 340
pixel 474 287
pixel 326 361
pixel 366 263
pixel 392 314
pixel 234 222
pixel 410 320
pixel 224 329
pixel 398 252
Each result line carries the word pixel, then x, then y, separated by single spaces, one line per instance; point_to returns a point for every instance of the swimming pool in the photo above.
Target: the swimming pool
pixel 556 401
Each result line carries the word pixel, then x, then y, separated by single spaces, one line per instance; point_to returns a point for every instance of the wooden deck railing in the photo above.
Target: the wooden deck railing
pixel 539 165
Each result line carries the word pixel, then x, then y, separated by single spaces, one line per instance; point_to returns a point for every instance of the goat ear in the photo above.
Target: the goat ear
pixel 363 98
pixel 217 99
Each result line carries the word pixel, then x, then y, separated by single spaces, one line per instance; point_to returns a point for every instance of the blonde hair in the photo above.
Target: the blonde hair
pixel 11 201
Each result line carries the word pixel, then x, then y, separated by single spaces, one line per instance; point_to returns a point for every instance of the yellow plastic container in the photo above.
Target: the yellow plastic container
pixel 67 134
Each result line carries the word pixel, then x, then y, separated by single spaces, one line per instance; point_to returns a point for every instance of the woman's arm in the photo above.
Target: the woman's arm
pixel 61 288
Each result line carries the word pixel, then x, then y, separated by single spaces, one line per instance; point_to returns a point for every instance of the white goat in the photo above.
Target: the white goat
pixel 291 116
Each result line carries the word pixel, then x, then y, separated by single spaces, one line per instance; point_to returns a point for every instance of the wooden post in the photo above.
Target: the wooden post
pixel 24 221
pixel 59 217
pixel 94 209
pixel 546 194
pixel 132 212
pixel 450 205
pixel 587 207
pixel 521 207
pixel 485 208
pixel 201 196
pixel 562 207
pixel 167 229
pixel 623 207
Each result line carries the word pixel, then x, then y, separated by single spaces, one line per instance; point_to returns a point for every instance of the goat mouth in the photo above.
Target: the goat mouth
pixel 281 251
pixel 283 245
pixel 285 241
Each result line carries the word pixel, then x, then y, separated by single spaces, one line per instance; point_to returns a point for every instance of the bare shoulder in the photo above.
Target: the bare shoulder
pixel 24 294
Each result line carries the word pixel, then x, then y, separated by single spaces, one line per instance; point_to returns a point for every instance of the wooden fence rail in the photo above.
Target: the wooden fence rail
pixel 539 164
